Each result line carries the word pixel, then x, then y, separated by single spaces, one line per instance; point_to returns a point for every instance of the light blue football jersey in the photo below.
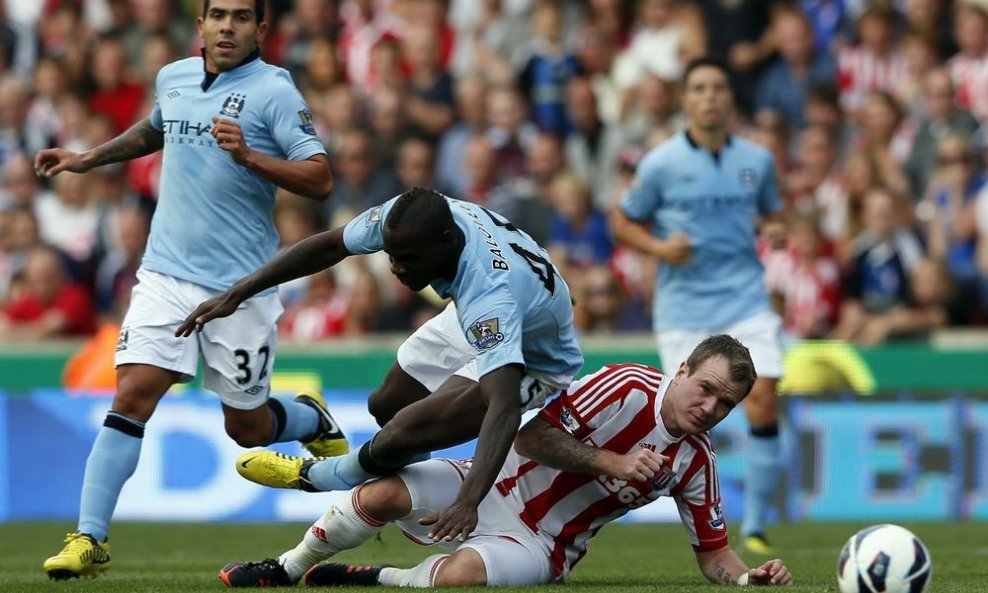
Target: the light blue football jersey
pixel 213 222
pixel 682 187
pixel 512 304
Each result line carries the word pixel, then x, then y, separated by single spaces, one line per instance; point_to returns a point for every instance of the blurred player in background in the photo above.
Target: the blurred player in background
pixel 232 128
pixel 503 345
pixel 703 192
pixel 618 439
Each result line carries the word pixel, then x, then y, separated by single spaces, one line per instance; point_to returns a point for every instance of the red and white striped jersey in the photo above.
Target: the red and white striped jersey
pixel 861 71
pixel 971 81
pixel 616 408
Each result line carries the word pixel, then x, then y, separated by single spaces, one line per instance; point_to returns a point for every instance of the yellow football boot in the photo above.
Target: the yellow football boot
pixel 81 556
pixel 330 440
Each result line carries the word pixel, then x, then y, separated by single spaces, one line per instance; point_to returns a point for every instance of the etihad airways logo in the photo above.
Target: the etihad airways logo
pixel 183 131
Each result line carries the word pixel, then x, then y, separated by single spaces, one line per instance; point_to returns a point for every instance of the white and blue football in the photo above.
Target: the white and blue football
pixel 884 559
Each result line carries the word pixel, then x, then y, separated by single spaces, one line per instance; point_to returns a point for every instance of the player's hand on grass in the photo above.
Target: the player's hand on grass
pixel 676 249
pixel 640 465
pixel 454 522
pixel 221 305
pixel 52 161
pixel 773 572
pixel 230 138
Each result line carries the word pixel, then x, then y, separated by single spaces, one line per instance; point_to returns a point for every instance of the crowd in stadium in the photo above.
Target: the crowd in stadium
pixel 539 110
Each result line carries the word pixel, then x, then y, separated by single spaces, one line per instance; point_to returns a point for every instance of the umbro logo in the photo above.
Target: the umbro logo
pixel 254 390
pixel 173 94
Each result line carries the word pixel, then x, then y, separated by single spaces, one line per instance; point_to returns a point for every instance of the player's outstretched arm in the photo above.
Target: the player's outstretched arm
pixel 500 388
pixel 310 178
pixel 675 250
pixel 553 447
pixel 724 567
pixel 311 255
pixel 140 139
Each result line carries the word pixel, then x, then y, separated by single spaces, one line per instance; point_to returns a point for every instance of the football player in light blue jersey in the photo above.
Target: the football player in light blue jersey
pixel 503 345
pixel 232 129
pixel 703 192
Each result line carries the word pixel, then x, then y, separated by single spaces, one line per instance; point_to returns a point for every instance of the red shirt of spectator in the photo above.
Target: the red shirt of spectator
pixel 46 304
pixel 115 96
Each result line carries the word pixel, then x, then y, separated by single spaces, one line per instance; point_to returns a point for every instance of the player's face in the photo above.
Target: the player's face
pixel 702 399
pixel 414 261
pixel 707 98
pixel 229 32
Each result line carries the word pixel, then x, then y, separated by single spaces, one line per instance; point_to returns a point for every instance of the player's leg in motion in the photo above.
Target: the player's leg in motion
pixel 347 524
pixel 450 416
pixel 111 462
pixel 762 464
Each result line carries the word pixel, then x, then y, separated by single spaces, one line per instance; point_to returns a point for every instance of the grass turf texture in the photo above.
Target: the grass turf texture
pixel 165 558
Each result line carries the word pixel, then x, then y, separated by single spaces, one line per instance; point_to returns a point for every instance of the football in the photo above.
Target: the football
pixel 884 558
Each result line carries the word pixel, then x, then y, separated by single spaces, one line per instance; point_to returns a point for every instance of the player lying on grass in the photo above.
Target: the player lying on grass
pixel 616 440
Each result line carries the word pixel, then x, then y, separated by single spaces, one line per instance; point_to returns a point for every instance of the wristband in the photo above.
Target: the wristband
pixel 743 580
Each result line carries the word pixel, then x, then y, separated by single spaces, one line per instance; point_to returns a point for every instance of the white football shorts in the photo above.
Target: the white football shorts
pixel 237 351
pixel 761 333
pixel 512 555
pixel 439 350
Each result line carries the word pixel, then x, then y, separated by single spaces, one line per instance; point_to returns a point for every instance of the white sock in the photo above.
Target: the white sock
pixel 344 526
pixel 423 575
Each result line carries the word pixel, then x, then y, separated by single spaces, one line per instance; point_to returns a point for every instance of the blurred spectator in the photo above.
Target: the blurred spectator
pixel 600 306
pixel 874 64
pixel 823 108
pixel 592 148
pixel 387 123
pixel 16 135
pixel 471 107
pixel 771 132
pixel 416 164
pixel 981 218
pixel 669 34
pixel 860 178
pixel 49 85
pixel 818 186
pixel 782 87
pixel 803 281
pixel 46 304
pixel 829 20
pixel 527 200
pixel 738 31
pixel 486 43
pixel 21 188
pixel 546 68
pixel 156 53
pixel 322 68
pixel 887 139
pixel 596 53
pixel 307 30
pixel 930 20
pixel 942 118
pixel 970 66
pixel 510 133
pixel 884 256
pixel 16 45
pixel 925 310
pixel 480 169
pixel 919 54
pixel 951 229
pixel 429 103
pixel 579 237
pixel 115 94
pixel 153 18
pixel 365 24
pixel 295 218
pixel 655 106
pixel 321 314
pixel 68 219
pixel 117 273
pixel 359 183
pixel 339 110
pixel 63 35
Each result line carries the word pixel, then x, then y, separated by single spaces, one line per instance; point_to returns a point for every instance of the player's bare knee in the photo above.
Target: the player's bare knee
pixel 393 440
pixel 465 568
pixel 135 399
pixel 386 499
pixel 380 406
pixel 248 436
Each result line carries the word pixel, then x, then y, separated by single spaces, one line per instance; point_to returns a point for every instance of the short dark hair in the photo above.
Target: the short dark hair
pixel 738 358
pixel 259 6
pixel 708 61
pixel 420 211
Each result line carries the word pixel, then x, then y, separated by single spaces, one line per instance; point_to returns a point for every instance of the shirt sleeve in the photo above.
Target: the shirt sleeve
pixel 698 501
pixel 291 121
pixel 365 233
pixel 644 196
pixel 492 324
pixel 587 405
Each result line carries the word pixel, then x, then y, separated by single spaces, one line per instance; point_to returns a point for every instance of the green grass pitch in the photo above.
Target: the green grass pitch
pixel 166 558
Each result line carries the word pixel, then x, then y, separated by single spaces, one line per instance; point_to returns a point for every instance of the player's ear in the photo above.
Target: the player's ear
pixel 262 32
pixel 683 371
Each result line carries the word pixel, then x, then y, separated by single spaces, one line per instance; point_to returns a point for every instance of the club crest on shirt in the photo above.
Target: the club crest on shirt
pixel 716 517
pixel 486 334
pixel 306 126
pixel 233 105
pixel 748 177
